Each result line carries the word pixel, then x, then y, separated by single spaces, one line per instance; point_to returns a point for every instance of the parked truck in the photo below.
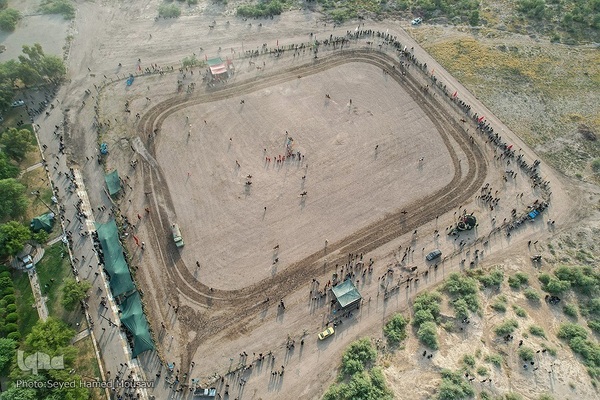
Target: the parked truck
pixel 177 236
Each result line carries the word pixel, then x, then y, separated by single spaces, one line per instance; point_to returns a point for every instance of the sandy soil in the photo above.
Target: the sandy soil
pixel 351 193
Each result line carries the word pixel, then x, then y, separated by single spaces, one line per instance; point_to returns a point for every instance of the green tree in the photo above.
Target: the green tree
pixel 36 67
pixel 13 202
pixel 73 292
pixel 359 355
pixel 17 142
pixel 7 169
pixel 427 334
pixel 19 393
pixel 49 336
pixel 13 236
pixel 9 19
pixel 474 18
pixel 395 329
pixel 7 352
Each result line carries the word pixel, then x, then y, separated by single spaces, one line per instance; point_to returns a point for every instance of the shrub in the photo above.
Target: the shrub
pixel 506 328
pixel 499 306
pixel 526 353
pixel 454 387
pixel 427 334
pixel 537 331
pixel 594 325
pixel 554 285
pixel 495 278
pixel 469 360
pixel 8 328
pixel 545 396
pixel 520 311
pixel 395 329
pixel 517 280
pixel 585 279
pixel 482 371
pixel 63 7
pixel 512 396
pixel 9 19
pixel 531 295
pixel 535 9
pixel 15 335
pixel 495 359
pixel 169 11
pixel 359 355
pixel 596 166
pixel 570 310
pixel 551 350
pixel 12 317
pixel 11 308
pixel 464 291
pixel 265 8
pixel 570 331
pixel 8 290
pixel 10 299
pixel 192 2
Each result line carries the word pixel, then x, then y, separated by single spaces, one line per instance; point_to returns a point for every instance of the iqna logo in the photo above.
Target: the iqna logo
pixel 38 361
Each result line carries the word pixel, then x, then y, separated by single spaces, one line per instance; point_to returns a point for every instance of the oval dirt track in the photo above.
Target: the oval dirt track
pixel 227 303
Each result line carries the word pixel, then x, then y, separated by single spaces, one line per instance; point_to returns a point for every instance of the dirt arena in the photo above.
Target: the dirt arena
pixel 355 193
pixel 349 183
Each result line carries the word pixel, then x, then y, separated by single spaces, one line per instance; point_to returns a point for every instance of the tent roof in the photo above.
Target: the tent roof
pixel 114 260
pixel 346 293
pixel 112 182
pixel 44 221
pixel 133 318
pixel 214 61
pixel 218 69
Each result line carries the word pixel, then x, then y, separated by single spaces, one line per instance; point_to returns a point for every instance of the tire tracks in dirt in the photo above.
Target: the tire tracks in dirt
pixel 228 315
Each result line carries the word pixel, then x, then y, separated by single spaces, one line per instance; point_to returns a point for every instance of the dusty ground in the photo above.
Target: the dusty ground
pixel 212 328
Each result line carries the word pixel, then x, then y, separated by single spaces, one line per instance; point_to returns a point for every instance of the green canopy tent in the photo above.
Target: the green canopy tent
pixel 113 183
pixel 44 221
pixel 346 294
pixel 114 260
pixel 132 316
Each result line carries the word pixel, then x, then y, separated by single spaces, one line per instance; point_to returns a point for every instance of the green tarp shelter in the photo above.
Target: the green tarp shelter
pixel 114 260
pixel 132 316
pixel 45 222
pixel 346 294
pixel 112 182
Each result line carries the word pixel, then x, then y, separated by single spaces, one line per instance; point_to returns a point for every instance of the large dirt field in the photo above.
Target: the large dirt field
pixel 387 162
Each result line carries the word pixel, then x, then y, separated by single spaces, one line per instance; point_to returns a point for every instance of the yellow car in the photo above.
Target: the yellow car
pixel 326 333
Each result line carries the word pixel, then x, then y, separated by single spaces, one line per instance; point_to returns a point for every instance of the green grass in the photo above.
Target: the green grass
pixel 86 364
pixel 28 314
pixel 54 265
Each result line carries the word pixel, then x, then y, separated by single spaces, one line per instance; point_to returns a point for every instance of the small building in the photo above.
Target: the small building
pixel 347 295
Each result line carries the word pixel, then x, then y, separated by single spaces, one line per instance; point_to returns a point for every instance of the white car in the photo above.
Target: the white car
pixel 417 21
pixel 18 103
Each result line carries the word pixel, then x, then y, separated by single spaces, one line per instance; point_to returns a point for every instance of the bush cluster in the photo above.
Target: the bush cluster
pixel 265 8
pixel 426 312
pixel 169 11
pixel 454 386
pixel 506 328
pixel 63 7
pixel 517 280
pixel 395 329
pixel 361 379
pixel 9 19
pixel 463 292
pixel 589 350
